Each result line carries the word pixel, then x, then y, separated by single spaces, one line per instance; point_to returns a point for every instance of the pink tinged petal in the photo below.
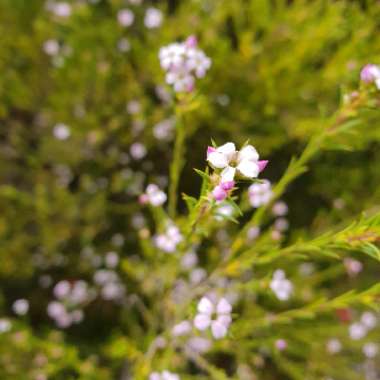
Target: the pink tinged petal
pixel 262 165
pixel 228 174
pixel 219 194
pixel 370 73
pixel 248 168
pixel 205 306
pixel 217 160
pixel 248 153
pixel 227 185
pixel 218 330
pixel 143 199
pixel 210 149
pixel 223 307
pixel 228 150
pixel 202 321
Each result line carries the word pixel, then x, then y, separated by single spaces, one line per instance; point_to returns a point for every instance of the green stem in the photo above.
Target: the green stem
pixel 177 163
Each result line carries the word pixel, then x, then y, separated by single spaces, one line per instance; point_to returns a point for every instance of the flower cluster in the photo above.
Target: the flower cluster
pixel 231 164
pixel 216 315
pixel 371 74
pixel 281 286
pixel 183 62
pixel 169 240
pixel 260 193
pixel 153 196
pixel 71 297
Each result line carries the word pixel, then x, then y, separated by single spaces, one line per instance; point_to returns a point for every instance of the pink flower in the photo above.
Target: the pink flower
pixel 227 185
pixel 191 42
pixel 262 165
pixel 370 73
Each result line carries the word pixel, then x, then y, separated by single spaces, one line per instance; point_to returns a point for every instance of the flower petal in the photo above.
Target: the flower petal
pixel 202 321
pixel 218 330
pixel 217 160
pixel 205 306
pixel 228 150
pixel 248 153
pixel 223 307
pixel 248 168
pixel 228 174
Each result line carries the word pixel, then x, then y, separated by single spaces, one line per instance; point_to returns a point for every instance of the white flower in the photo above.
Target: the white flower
pixel 370 350
pixel 369 320
pixel 60 9
pixel 199 344
pixel 357 331
pixel 281 286
pixel 172 56
pixel 51 47
pixel 137 151
pixel 169 240
pixel 125 17
pixel 231 162
pixel 154 196
pixel 217 316
pixel 259 193
pixel 164 375
pixel 153 18
pixel 21 306
pixel 111 260
pixel 61 131
pixel 5 325
pixel 334 346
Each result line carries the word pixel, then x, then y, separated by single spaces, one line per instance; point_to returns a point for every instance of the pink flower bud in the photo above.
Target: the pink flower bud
pixel 227 185
pixel 262 165
pixel 219 194
pixel 191 41
pixel 281 344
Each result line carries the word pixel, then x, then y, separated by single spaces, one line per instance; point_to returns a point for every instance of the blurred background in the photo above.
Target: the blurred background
pixel 86 121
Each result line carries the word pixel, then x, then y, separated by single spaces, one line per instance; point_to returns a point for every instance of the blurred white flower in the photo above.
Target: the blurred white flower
pixel 281 286
pixel 182 328
pixel 51 47
pixel 123 45
pixel 153 195
pixel 61 131
pixel 5 325
pixel 137 151
pixel 20 306
pixel 60 9
pixel 199 344
pixel 369 320
pixel 169 240
pixel 111 260
pixel 260 193
pixel 357 331
pixel 153 18
pixel 164 129
pixel 334 346
pixel 125 17
pixel 214 315
pixel 280 208
pixel 370 350
pixel 189 260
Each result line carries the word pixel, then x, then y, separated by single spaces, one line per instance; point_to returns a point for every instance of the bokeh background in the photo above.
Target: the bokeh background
pixel 86 121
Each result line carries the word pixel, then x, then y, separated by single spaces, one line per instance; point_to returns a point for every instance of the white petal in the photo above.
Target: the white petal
pixel 218 330
pixel 217 160
pixel 202 321
pixel 228 150
pixel 248 168
pixel 228 174
pixel 223 307
pixel 205 306
pixel 248 153
pixel 224 319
